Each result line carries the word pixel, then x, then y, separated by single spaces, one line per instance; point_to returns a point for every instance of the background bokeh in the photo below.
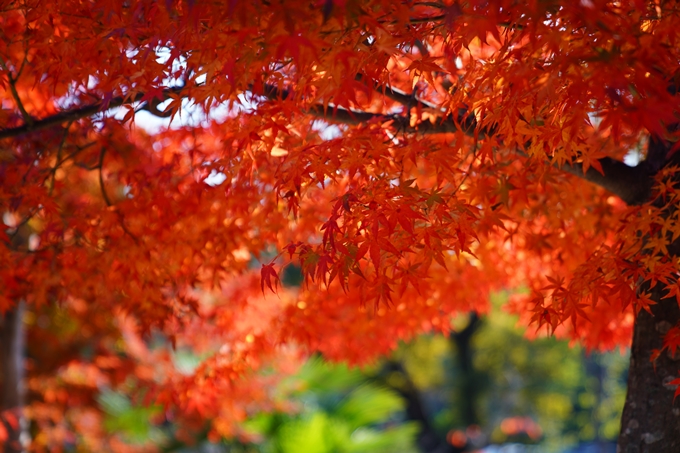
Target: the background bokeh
pixel 485 387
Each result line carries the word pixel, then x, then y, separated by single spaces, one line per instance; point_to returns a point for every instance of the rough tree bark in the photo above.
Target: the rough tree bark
pixel 651 420
pixel 12 366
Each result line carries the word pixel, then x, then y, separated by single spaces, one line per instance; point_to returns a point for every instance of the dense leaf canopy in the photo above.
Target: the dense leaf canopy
pixel 409 157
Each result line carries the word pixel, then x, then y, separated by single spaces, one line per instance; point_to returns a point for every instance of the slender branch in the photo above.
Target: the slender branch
pixel 397 95
pixel 59 151
pixel 13 89
pixel 23 62
pixel 151 106
pixel 100 168
pixel 424 20
pixel 337 114
pixel 106 198
pixel 631 184
pixel 432 4
pixel 25 59
pixel 464 120
pixel 80 113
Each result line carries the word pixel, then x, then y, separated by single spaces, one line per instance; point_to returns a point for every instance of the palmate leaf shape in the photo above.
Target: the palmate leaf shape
pixel 408 157
pixel 268 276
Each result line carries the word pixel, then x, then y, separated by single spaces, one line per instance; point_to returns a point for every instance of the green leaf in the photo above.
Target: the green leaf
pixel 369 404
pixel 132 422
pixel 306 435
pixel 400 438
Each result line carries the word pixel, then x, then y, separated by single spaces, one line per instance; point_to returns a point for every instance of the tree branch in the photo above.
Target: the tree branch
pixel 405 99
pixel 464 121
pixel 80 113
pixel 429 441
pixel 13 89
pixel 631 184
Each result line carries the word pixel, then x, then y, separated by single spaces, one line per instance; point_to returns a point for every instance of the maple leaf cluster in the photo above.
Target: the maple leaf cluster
pixel 408 157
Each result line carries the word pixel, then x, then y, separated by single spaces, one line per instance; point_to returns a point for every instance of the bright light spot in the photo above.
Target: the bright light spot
pixel 10 219
pixel 241 254
pixel 215 178
pixel 326 131
pixel 632 158
pixel 189 116
pixel 277 151
pixel 33 242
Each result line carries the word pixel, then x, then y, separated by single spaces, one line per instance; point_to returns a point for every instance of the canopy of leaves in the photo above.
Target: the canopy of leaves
pixel 410 157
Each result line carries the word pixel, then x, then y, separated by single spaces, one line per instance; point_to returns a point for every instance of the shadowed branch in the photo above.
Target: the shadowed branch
pixel 631 184
pixel 85 111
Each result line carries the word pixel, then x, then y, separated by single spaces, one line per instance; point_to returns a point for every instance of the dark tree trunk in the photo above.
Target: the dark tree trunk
pixel 651 422
pixel 468 390
pixel 12 368
pixel 428 440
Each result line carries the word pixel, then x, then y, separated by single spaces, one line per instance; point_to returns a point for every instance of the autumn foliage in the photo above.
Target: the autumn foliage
pixel 409 157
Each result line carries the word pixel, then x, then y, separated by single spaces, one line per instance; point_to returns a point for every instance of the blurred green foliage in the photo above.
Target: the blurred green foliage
pixel 133 423
pixel 572 395
pixel 543 392
pixel 341 411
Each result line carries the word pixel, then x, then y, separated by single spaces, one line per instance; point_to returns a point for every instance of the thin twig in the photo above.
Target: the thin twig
pixel 57 163
pixel 100 166
pixel 80 113
pixel 13 89
pixel 106 198
pixel 23 61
